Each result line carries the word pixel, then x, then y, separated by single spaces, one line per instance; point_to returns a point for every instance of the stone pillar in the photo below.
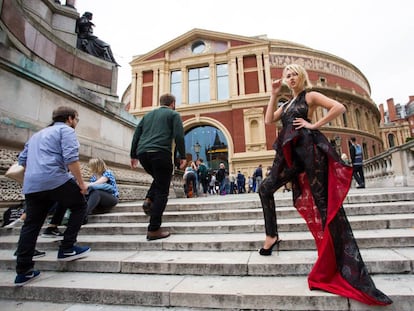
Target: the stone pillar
pixel 260 73
pixel 241 75
pixel 70 3
pixel 233 77
pixel 213 82
pixel 184 83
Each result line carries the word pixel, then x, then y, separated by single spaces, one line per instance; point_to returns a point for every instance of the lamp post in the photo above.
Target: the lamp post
pixel 197 148
pixel 338 142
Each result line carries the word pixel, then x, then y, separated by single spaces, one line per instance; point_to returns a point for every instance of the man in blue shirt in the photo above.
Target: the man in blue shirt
pixel 52 174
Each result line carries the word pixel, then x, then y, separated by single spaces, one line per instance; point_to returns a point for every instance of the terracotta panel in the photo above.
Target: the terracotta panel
pixel 238 43
pixel 45 48
pixel 249 61
pixel 64 60
pixel 92 73
pixel 159 55
pixel 251 82
pixel 148 76
pixel 13 20
pixel 238 131
pixel 147 96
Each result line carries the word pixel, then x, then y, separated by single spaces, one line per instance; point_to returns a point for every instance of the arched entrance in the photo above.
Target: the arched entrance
pixel 209 143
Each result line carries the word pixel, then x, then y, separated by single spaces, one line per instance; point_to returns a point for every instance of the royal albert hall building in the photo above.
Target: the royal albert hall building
pixel 222 83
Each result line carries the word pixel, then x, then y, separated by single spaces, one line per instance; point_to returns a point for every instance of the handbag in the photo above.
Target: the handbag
pixel 15 172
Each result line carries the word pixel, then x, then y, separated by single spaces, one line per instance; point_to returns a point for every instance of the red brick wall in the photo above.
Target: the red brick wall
pixel 147 87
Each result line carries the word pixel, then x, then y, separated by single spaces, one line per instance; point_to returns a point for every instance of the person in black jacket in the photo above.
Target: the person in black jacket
pixel 355 150
pixel 152 146
pixel 220 176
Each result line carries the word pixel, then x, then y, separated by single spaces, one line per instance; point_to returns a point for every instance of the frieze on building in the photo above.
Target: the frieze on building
pixel 321 65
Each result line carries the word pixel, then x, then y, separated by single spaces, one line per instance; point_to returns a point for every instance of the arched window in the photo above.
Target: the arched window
pixel 391 140
pixel 368 123
pixel 344 117
pixel 358 119
pixel 254 130
pixel 206 142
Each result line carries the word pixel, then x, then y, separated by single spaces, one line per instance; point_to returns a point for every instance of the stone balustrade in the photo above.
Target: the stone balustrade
pixel 392 168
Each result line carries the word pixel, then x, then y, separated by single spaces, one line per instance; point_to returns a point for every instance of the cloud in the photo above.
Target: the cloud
pixel 375 36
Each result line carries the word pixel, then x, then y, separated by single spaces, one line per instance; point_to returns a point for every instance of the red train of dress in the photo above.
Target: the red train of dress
pixel 339 268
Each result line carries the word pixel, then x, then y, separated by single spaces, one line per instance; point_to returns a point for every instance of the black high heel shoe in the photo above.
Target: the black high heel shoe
pixel 268 251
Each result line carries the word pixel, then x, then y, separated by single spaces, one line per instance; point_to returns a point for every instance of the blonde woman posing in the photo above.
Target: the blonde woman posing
pixel 305 158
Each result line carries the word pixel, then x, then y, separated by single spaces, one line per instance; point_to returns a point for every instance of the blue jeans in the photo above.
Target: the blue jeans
pixel 38 204
pixel 159 165
pixel 100 199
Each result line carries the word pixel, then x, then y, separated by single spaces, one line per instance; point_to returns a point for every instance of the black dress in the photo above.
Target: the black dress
pixel 320 183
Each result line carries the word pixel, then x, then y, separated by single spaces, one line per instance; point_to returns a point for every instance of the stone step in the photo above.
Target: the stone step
pixel 251 200
pixel 13 305
pixel 236 213
pixel 190 291
pixel 392 221
pixel 126 225
pixel 242 263
pixel 381 238
pixel 211 259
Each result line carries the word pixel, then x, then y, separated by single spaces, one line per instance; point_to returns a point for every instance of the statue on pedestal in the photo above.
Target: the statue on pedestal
pixel 89 43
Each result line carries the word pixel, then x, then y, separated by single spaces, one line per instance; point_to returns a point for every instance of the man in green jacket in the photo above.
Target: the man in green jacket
pixel 152 147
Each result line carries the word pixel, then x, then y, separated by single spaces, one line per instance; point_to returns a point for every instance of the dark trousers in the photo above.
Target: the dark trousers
pixel 58 215
pixel 315 165
pixel 38 204
pixel 159 165
pixel 100 199
pixel 204 184
pixel 358 174
pixel 190 179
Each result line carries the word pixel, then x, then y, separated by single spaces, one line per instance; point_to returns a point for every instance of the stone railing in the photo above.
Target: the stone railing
pixel 392 168
pixel 132 184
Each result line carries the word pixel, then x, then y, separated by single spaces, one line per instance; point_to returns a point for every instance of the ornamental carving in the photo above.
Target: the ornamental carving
pixel 321 65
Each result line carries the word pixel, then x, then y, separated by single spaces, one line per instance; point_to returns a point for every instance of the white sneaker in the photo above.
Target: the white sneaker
pixel 15 223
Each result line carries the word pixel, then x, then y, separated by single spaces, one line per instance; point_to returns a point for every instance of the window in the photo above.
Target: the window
pixel 198 85
pixel 176 86
pixel 324 113
pixel 198 47
pixel 345 120
pixel 391 140
pixel 222 82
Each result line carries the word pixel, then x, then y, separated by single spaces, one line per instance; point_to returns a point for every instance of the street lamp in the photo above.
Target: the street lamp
pixel 338 142
pixel 197 148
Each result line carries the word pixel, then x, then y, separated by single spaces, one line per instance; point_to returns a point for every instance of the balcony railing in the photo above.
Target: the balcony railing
pixel 392 168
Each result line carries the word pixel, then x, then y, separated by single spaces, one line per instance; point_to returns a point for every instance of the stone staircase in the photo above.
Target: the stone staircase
pixel 211 259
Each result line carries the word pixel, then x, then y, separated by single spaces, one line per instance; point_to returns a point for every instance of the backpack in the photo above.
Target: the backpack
pixel 358 155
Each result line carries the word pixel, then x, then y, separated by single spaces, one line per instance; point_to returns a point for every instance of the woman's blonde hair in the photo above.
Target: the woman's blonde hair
pixel 97 166
pixel 302 75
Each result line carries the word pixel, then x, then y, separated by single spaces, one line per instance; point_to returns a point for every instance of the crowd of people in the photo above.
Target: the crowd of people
pixel 198 180
pixel 304 159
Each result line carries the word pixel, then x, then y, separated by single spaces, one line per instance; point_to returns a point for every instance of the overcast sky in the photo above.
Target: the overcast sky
pixel 377 36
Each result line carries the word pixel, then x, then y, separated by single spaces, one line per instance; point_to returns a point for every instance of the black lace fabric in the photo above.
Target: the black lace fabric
pixel 320 183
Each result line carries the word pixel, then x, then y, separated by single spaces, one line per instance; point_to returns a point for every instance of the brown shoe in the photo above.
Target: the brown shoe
pixel 147 206
pixel 158 234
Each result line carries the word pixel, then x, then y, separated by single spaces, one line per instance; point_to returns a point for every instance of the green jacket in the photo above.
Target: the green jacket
pixel 156 132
